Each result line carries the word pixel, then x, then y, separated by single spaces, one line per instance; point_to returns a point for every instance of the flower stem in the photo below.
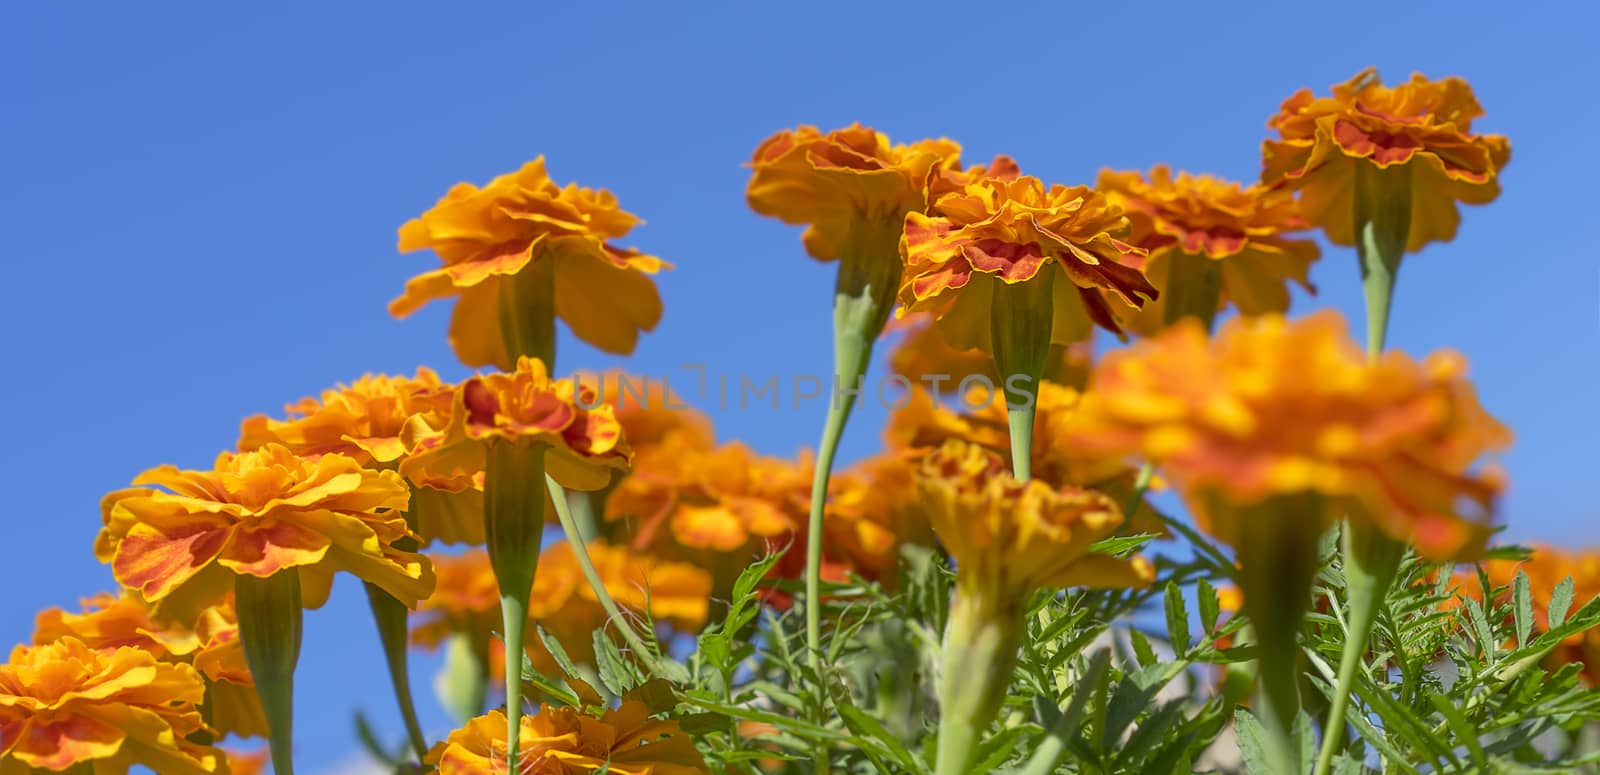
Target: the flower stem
pixel 390 616
pixel 864 292
pixel 1020 326
pixel 528 313
pixel 568 506
pixel 1371 559
pixel 980 653
pixel 1194 288
pixel 270 617
pixel 514 526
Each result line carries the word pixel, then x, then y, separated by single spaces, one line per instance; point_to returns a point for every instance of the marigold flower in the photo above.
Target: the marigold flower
pixel 64 704
pixel 518 238
pixel 367 420
pixel 557 741
pixel 1546 568
pixel 583 445
pixel 1013 231
pixel 210 643
pixel 924 356
pixel 1274 407
pixel 845 184
pixel 1239 228
pixel 1421 126
pixel 648 410
pixel 259 513
pixel 1009 537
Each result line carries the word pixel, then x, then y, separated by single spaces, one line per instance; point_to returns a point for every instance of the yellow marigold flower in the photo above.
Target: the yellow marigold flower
pixel 526 406
pixel 1009 537
pixel 1207 218
pixel 1547 567
pixel 367 420
pixel 1421 126
pixel 1013 231
pixel 924 356
pixel 624 740
pixel 65 704
pixel 725 499
pixel 844 185
pixel 522 238
pixel 1275 407
pixel 259 513
pixel 210 643
pixel 648 411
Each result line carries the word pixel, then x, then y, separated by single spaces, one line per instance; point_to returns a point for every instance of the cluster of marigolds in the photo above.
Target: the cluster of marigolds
pixel 1272 430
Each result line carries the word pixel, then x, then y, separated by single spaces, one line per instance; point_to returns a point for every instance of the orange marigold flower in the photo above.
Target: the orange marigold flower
pixel 846 185
pixel 1009 537
pixel 625 740
pixel 367 420
pixel 64 704
pixel 526 406
pixel 1546 568
pixel 1274 407
pixel 648 410
pixel 924 356
pixel 1013 231
pixel 873 509
pixel 259 513
pixel 1422 127
pixel 1239 228
pixel 522 239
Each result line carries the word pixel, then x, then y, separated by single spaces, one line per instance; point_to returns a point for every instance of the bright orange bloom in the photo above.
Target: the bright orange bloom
pixel 367 420
pixel 566 741
pixel 260 513
pixel 1013 231
pixel 648 410
pixel 247 762
pixel 846 184
pixel 925 357
pixel 583 445
pixel 1240 228
pixel 1421 126
pixel 1275 407
pixel 873 509
pixel 64 703
pixel 210 643
pixel 1009 537
pixel 1547 567
pixel 522 227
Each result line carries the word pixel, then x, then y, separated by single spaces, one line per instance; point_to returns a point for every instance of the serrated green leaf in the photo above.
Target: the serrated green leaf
pixel 1252 742
pixel 1522 607
pixel 617 674
pixel 1142 652
pixel 1560 603
pixel 1177 620
pixel 1210 605
pixel 1121 546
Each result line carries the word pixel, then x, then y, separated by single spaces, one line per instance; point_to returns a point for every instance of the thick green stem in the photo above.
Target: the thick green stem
pixel 1277 565
pixel 568 506
pixel 980 653
pixel 1020 326
pixel 514 493
pixel 1382 226
pixel 864 293
pixel 1371 560
pixel 528 313
pixel 1194 289
pixel 270 629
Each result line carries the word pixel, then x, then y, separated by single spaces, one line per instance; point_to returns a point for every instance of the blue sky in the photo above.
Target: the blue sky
pixel 201 200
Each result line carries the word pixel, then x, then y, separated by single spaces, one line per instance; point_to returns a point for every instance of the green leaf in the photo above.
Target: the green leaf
pixel 1522 602
pixel 1210 605
pixel 1459 724
pixel 369 741
pixel 617 674
pixel 1252 742
pixel 1560 602
pixel 1122 546
pixel 556 651
pixel 1142 652
pixel 1177 621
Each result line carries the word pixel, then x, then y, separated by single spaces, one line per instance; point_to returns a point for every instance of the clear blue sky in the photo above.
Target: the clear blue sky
pixel 200 204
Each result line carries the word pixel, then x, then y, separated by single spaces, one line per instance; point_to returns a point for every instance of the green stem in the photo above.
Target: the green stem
pixel 980 653
pixel 1371 560
pixel 864 293
pixel 568 506
pixel 390 616
pixel 1277 566
pixel 1020 326
pixel 514 525
pixel 270 629
pixel 1382 215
